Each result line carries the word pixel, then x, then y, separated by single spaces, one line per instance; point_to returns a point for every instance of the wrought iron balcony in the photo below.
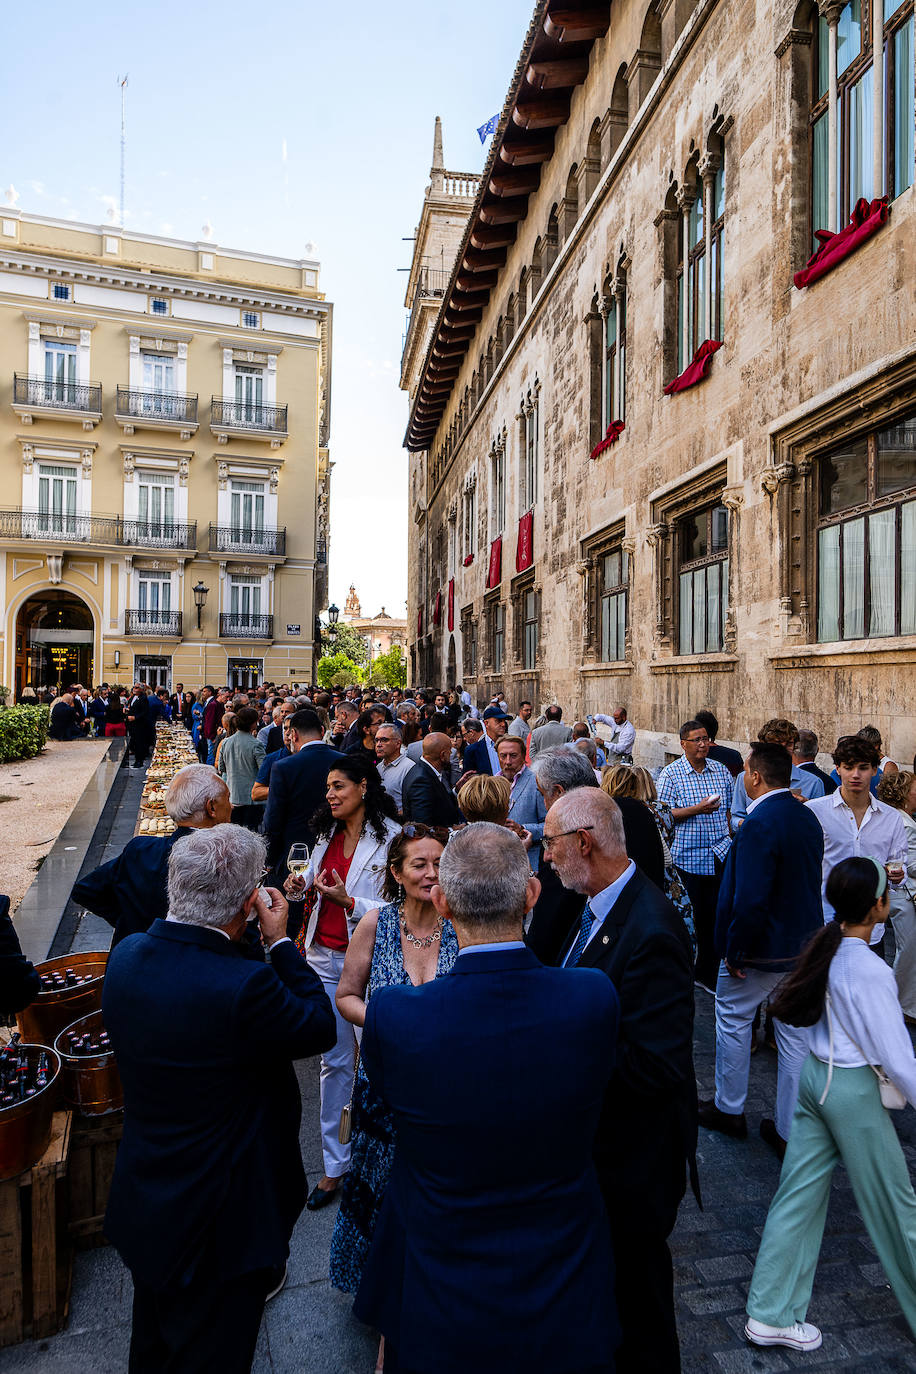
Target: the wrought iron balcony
pixel 249 418
pixel 158 409
pixel 321 552
pixel 60 527
pixel 153 624
pixel 43 394
pixel 148 534
pixel 243 625
pixel 240 539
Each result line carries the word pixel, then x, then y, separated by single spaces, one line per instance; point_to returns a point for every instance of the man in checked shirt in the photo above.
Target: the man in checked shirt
pixel 699 792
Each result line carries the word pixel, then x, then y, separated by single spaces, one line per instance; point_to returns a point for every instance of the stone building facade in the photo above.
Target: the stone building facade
pixel 380 631
pixel 651 463
pixel 164 415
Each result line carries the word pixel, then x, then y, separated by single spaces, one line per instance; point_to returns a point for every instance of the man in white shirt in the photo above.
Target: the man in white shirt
pixel 853 821
pixel 393 763
pixel 620 745
pixel 520 728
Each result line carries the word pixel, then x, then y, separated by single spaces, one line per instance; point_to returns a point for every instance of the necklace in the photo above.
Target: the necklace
pixel 427 939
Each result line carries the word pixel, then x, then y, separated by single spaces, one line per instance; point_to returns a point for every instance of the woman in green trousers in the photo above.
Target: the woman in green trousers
pixel 848 997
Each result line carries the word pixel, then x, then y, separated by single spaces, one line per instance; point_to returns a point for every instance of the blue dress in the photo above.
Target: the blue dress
pixel 372 1143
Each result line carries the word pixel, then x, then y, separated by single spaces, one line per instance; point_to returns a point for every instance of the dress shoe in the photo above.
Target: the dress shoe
pixel 320 1197
pixel 799 1336
pixel 771 1136
pixel 728 1123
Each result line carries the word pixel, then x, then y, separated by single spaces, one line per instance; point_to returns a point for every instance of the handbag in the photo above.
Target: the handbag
pixel 345 1129
pixel 891 1096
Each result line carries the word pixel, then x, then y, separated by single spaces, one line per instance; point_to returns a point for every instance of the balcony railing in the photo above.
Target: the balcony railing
pixel 82 397
pixel 57 525
pixel 321 551
pixel 243 625
pixel 156 405
pixel 153 624
pixel 152 535
pixel 240 539
pixel 248 415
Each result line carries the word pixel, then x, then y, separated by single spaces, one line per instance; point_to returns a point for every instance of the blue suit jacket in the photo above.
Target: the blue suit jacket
pixel 492 1250
pixel 477 757
pixel 209 1174
pixel 528 810
pixel 131 891
pixel 770 897
pixel 297 789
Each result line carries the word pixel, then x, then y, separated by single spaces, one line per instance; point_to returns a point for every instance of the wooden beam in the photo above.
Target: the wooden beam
pixel 470 281
pixel 557 75
pixel 515 183
pixel 490 241
pixel 568 25
pixel 528 152
pixel 547 113
pixel 507 211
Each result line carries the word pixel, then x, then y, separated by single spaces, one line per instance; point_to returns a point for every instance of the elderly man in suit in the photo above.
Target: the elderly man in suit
pixel 130 891
pixel 208 1182
pixel 526 805
pixel 427 794
pixel 482 757
pixel 646 1139
pixel 491 1251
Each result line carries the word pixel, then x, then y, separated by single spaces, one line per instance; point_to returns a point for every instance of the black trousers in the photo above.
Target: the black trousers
pixel 644 1275
pixel 703 891
pixel 195 1330
pixel 394 1366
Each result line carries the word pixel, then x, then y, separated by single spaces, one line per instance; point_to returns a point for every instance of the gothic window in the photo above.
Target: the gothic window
pixel 699 269
pixel 615 353
pixel 702 579
pixel 469 641
pixel 529 452
pixel 469 519
pixel 496 633
pixel 613 589
pixel 497 490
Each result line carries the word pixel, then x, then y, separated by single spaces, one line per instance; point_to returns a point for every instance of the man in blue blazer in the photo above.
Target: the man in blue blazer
pixel 481 757
pixel 769 907
pixel 297 789
pixel 492 1249
pixel 208 1182
pixel 527 808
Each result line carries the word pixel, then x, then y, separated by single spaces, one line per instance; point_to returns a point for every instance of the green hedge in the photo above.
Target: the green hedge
pixel 23 731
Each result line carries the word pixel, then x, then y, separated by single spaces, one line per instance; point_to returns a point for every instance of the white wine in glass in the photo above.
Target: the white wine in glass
pixel 297 860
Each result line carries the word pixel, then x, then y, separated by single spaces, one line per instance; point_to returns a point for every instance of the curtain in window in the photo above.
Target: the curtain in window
pixel 828 578
pixel 820 205
pixel 854 580
pixel 848 36
pixel 156 499
pixel 713 610
pixel 903 105
pixel 245 596
pixel 861 145
pixel 908 568
pixel 57 497
pixel 881 572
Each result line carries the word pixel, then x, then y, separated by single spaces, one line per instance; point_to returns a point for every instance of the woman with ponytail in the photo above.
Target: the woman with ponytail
pixel 848 997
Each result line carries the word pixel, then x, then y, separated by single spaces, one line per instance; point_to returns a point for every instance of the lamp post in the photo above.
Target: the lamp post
pixel 333 613
pixel 200 599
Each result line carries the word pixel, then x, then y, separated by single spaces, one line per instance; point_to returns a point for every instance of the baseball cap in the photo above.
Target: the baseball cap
pixel 495 713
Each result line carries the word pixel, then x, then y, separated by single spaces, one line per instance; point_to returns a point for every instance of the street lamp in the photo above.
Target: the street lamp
pixel 200 599
pixel 333 613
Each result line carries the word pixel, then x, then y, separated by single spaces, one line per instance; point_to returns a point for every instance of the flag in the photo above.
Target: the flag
pixel 489 128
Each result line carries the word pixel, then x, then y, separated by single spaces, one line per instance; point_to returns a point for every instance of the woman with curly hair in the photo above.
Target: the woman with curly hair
pixel 355 827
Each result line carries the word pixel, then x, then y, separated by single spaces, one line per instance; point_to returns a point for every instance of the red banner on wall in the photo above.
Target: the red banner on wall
pixel 524 549
pixel 451 604
pixel 495 570
pixel 437 609
pixel 420 623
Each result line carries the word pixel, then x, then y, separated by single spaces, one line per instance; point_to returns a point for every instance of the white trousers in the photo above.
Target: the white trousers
pixel 336 1065
pixel 737 1000
pixel 903 920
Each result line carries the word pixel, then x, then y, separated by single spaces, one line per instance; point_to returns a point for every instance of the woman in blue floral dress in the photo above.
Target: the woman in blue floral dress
pixel 403 943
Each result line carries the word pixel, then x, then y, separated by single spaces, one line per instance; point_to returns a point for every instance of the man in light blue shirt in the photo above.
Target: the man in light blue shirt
pixel 808 785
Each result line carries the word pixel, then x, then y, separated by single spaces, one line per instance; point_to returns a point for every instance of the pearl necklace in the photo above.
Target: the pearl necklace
pixel 415 940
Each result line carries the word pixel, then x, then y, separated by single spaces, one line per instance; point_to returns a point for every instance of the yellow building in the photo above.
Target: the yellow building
pixel 164 412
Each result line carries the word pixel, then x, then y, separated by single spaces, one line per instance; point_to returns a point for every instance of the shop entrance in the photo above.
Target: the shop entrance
pixel 54 638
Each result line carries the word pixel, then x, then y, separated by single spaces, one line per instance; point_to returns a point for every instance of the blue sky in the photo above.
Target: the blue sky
pixel 215 91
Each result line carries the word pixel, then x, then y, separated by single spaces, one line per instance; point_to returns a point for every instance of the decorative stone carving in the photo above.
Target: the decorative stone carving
pixel 628 545
pixel 222 475
pixel 184 467
pixel 28 457
pixel 86 460
pixel 656 534
pixel 730 633
pixel 129 467
pixel 733 498
pixel 55 567
pixel 273 478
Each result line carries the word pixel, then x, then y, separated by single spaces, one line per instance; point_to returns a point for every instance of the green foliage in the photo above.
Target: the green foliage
pixel 23 731
pixel 337 670
pixel 388 670
pixel 344 640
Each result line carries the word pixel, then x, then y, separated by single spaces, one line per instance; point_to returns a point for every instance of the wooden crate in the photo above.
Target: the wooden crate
pixel 93 1150
pixel 36 1254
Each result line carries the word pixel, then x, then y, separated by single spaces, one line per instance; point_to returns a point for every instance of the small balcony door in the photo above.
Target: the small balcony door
pixel 154 596
pixel 247 512
pixel 60 373
pixel 158 384
pixel 249 395
pixel 245 597
pixel 156 505
pixel 56 499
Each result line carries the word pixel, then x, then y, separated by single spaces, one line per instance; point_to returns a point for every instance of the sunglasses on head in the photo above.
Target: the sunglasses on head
pixel 414 830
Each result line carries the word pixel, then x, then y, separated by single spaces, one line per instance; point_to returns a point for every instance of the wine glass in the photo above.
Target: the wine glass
pixel 297 860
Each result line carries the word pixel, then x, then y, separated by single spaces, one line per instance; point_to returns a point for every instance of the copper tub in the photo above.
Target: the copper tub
pixel 90 1083
pixel 25 1128
pixel 42 1022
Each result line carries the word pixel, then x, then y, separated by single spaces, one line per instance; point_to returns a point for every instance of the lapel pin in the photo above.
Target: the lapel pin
pixel 604 939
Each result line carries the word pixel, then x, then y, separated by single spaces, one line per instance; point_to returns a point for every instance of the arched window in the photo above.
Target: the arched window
pixel 615 350
pixel 699 270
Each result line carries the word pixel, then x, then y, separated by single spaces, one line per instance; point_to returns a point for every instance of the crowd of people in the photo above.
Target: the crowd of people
pixel 508 1148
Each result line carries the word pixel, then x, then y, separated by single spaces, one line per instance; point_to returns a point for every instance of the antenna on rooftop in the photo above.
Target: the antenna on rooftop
pixel 122 82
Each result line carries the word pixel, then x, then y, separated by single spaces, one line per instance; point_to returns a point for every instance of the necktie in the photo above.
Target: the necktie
pixel 586 921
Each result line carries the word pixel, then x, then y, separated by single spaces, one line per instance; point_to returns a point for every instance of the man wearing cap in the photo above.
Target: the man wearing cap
pixel 482 757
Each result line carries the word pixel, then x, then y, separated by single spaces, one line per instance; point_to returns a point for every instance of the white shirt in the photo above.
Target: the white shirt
pixel 601 904
pixel 863 993
pixel 494 757
pixel 881 836
pixel 624 735
pixel 392 775
pixel 774 792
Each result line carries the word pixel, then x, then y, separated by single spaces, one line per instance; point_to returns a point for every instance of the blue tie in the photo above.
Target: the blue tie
pixel 586 921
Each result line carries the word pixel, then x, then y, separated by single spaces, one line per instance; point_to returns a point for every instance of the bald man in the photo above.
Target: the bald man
pixel 427 794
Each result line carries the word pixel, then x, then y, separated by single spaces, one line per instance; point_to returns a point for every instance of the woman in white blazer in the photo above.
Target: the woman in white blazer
pixel 346 872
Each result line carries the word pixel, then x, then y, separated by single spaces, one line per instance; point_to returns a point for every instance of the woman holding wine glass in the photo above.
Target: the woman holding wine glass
pixel 342 881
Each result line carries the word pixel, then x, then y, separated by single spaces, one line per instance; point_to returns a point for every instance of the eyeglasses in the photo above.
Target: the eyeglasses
pixel 548 840
pixel 697 739
pixel 414 830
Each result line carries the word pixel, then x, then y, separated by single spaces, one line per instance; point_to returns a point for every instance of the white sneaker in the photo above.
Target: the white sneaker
pixel 799 1336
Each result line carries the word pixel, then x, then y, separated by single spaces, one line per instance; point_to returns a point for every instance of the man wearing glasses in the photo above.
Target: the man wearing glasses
pixel 699 792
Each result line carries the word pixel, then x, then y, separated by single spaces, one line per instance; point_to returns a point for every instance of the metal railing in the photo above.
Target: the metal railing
pixel 156 405
pixel 241 539
pixel 85 397
pixel 151 534
pixel 153 623
pixel 321 551
pixel 243 625
pixel 248 415
pixel 58 525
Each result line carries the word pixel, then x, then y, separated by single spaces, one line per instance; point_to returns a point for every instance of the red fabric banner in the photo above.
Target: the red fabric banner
pixel 612 434
pixel 420 623
pixel 468 560
pixel 451 604
pixel 495 570
pixel 697 369
pixel 524 549
pixel 865 220
pixel 437 609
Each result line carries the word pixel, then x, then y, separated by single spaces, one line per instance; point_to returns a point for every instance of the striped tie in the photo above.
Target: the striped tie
pixel 586 921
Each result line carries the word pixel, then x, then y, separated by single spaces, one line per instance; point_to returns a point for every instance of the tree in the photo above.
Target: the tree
pixel 388 670
pixel 337 670
pixel 344 641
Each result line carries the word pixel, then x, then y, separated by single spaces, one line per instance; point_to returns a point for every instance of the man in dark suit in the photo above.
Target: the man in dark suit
pixel 65 722
pixel 427 794
pixel 769 907
pixel 208 1182
pixel 482 757
pixel 131 890
pixel 140 735
pixel 20 983
pixel 491 1252
pixel 297 789
pixel 804 755
pixel 646 1140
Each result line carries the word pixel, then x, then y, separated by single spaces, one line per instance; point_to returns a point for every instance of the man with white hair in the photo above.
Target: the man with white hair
pixel 130 891
pixel 647 1139
pixel 208 1182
